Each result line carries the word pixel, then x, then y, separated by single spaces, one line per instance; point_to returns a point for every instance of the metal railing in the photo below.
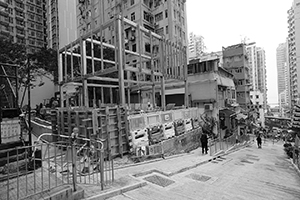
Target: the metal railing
pixel 225 144
pixel 296 157
pixel 40 168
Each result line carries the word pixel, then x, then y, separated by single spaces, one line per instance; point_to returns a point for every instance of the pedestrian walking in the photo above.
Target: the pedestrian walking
pixel 258 141
pixel 204 141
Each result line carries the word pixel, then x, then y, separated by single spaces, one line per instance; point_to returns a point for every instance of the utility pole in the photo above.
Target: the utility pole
pixel 29 102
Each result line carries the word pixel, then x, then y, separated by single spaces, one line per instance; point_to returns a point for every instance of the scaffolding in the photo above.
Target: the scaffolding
pixel 109 71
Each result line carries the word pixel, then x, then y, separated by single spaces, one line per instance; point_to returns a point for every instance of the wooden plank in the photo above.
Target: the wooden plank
pixel 62 123
pixel 107 130
pixel 95 122
pixel 111 95
pixel 69 122
pixel 102 95
pixel 120 133
pixel 77 119
pixel 126 128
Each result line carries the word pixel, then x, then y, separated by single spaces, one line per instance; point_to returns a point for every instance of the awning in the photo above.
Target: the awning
pixel 241 116
pixel 227 112
pixel 228 82
pixel 175 91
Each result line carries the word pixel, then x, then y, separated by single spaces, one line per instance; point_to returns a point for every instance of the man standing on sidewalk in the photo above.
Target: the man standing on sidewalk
pixel 204 141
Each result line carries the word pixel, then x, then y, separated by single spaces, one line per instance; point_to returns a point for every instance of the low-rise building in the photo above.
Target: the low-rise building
pixel 257 106
pixel 211 88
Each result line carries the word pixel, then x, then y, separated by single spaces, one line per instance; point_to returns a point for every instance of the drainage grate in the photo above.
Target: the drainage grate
pixel 251 155
pixel 247 161
pixel 198 177
pixel 158 180
pixel 239 164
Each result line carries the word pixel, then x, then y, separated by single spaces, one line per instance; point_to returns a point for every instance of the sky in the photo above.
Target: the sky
pixel 226 22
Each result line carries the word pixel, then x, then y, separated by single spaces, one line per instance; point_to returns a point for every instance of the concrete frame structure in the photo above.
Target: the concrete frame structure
pixel 23 23
pixel 166 18
pixel 168 62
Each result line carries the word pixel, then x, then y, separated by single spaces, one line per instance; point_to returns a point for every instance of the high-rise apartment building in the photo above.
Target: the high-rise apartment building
pixel 252 54
pixel 61 23
pixel 294 50
pixel 167 18
pixel 262 75
pixel 235 60
pixel 257 69
pixel 282 75
pixel 24 22
pixel 196 46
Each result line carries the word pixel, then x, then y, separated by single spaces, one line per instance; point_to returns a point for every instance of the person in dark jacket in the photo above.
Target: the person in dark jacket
pixel 204 141
pixel 258 141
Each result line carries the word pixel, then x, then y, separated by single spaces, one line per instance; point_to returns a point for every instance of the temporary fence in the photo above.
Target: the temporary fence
pixel 158 131
pixel 32 171
pixel 109 123
pixel 225 144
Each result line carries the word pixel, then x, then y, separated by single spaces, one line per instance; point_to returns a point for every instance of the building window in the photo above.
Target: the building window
pixel 132 17
pixel 160 31
pixel 134 47
pixel 166 13
pixel 131 2
pixel 240 82
pixel 167 29
pixel 257 96
pixel 159 17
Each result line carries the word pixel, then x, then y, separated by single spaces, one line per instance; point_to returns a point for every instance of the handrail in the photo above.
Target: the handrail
pixel 99 141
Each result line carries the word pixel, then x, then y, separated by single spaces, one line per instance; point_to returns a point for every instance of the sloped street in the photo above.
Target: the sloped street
pixel 249 173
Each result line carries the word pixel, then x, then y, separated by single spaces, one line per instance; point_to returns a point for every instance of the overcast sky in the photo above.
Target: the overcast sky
pixel 225 22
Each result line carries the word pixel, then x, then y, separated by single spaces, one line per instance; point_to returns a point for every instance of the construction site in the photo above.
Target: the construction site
pixel 116 107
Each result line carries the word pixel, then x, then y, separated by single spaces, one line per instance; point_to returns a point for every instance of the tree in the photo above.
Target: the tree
pixel 40 63
pixel 208 125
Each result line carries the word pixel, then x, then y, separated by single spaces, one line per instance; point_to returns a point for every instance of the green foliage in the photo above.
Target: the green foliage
pixel 41 63
pixel 208 125
pixel 290 150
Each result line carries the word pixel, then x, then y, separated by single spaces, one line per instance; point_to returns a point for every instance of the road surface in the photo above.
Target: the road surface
pixel 248 174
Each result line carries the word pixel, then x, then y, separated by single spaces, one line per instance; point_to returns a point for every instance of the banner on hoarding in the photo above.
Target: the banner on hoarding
pixel 10 130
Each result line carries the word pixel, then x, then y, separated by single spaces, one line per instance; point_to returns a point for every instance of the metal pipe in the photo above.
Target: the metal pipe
pixel 8 175
pixel 120 64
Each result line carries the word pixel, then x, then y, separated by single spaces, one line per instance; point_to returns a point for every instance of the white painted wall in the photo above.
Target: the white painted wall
pixel 38 94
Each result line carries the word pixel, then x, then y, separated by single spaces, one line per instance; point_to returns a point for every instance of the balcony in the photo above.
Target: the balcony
pixel 4 21
pixel 5 32
pixel 19 26
pixel 3 4
pixel 19 9
pixel 19 17
pixel 20 35
pixel 4 13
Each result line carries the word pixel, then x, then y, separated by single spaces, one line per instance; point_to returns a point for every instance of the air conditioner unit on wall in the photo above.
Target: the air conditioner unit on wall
pixel 208 106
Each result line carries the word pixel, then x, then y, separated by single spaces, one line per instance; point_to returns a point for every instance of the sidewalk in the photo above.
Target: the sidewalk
pixel 126 177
